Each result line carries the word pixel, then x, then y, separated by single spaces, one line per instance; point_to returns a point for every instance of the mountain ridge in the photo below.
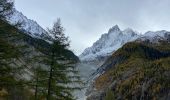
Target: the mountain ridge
pixel 135 71
pixel 108 43
pixel 32 32
pixel 29 26
pixel 114 39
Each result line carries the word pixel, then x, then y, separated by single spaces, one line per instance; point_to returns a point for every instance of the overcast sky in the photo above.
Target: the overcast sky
pixel 86 20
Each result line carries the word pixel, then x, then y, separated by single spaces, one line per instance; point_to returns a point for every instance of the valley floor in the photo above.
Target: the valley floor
pixel 85 71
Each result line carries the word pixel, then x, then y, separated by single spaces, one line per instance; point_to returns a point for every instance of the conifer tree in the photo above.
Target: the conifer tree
pixel 10 52
pixel 39 82
pixel 39 79
pixel 10 58
pixel 62 73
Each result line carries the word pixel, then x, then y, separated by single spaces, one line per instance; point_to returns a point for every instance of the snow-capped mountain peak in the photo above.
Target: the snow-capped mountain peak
pixel 156 36
pixel 114 28
pixel 157 33
pixel 128 31
pixel 115 38
pixel 29 26
pixel 108 43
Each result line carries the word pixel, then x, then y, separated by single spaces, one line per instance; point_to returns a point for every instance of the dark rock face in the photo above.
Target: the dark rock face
pixel 167 37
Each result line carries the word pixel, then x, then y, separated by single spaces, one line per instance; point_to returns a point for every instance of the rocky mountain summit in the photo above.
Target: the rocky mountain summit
pixel 116 38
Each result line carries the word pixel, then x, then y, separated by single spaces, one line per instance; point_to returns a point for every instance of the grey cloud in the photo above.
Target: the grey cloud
pixel 86 20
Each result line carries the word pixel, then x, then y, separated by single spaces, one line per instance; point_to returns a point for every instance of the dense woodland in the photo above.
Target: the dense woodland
pixel 137 71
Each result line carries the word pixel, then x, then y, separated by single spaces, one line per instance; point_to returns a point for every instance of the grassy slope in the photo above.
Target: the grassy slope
pixel 143 73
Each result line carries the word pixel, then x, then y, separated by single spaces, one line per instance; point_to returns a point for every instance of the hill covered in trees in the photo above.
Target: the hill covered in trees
pixel 138 70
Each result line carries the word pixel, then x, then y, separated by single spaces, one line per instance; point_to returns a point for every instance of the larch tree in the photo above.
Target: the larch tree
pixel 11 53
pixel 39 78
pixel 62 71
pixel 11 65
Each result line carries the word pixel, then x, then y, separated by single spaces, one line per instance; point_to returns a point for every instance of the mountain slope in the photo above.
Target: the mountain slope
pixel 138 70
pixel 25 61
pixel 37 43
pixel 102 50
pixel 114 39
pixel 108 43
pixel 29 26
pixel 32 32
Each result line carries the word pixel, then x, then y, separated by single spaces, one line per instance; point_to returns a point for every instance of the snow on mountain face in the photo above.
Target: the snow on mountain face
pixel 29 26
pixel 108 43
pixel 115 38
pixel 155 37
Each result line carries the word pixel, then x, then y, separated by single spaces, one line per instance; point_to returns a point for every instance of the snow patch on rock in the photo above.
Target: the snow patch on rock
pixel 29 26
pixel 115 38
pixel 108 43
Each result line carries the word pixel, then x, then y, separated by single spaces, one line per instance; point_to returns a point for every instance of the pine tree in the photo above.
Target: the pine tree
pixel 39 82
pixel 11 52
pixel 62 73
pixel 39 79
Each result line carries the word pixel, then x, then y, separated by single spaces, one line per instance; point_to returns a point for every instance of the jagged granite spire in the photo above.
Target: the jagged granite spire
pixel 108 43
pixel 114 28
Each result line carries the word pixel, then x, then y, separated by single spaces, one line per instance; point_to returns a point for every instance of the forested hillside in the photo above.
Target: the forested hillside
pixel 138 70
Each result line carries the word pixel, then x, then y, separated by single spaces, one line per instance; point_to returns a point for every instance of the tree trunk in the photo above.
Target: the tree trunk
pixel 50 78
pixel 36 88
